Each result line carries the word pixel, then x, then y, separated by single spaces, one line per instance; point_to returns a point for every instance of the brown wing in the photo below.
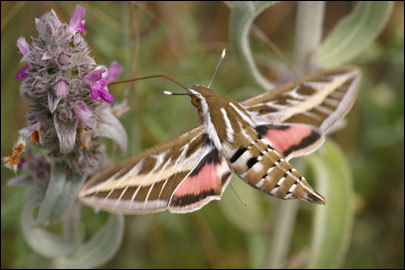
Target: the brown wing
pixel 146 182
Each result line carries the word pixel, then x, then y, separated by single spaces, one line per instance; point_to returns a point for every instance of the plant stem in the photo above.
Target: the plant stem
pixel 308 34
pixel 69 221
pixel 282 229
pixel 307 40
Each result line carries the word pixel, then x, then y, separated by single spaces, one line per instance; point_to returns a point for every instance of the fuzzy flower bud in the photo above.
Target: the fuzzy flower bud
pixel 113 72
pixel 61 88
pixel 23 45
pixel 82 112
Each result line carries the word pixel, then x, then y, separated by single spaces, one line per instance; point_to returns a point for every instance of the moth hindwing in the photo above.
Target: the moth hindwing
pixel 254 139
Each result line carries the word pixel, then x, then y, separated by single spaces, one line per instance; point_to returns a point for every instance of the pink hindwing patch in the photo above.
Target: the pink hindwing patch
pixel 291 139
pixel 205 183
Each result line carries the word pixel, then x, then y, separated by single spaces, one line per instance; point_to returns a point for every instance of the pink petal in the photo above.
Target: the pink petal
pixel 95 75
pixel 61 88
pixel 81 27
pixel 23 45
pixel 106 96
pixel 101 83
pixel 94 92
pixel 76 18
pixel 21 75
pixel 113 72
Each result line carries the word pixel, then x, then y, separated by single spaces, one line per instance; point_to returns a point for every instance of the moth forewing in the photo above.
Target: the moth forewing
pixel 124 188
pixel 319 100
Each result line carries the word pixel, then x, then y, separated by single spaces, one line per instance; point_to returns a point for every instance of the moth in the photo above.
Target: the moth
pixel 254 139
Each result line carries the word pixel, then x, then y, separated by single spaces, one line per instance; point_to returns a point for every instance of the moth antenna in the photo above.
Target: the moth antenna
pixel 170 93
pixel 237 195
pixel 219 63
pixel 149 77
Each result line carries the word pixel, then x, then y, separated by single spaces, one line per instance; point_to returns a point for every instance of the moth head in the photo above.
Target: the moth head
pixel 195 101
pixel 206 100
pixel 198 101
pixel 199 93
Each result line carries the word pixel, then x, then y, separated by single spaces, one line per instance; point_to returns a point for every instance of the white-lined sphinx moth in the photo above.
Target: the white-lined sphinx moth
pixel 254 139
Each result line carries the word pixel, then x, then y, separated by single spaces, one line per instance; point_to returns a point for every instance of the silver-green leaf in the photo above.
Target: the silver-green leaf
pixel 99 249
pixel 60 194
pixel 333 222
pixel 354 33
pixel 41 241
pixel 242 17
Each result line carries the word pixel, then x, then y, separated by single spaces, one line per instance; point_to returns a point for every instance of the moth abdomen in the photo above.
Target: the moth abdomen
pixel 263 168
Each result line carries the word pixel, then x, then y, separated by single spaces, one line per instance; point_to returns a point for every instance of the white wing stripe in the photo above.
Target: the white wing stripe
pixel 229 130
pixel 242 114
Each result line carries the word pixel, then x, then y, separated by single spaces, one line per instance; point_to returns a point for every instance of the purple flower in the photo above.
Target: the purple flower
pixel 76 20
pixel 97 86
pixel 95 75
pixel 23 45
pixel 61 88
pixel 82 112
pixel 105 95
pixel 81 27
pixel 21 74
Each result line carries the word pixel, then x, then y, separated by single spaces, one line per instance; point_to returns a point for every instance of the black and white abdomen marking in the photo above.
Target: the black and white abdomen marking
pixel 262 167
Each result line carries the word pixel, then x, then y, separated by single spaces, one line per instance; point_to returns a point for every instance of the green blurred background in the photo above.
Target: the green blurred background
pixel 184 40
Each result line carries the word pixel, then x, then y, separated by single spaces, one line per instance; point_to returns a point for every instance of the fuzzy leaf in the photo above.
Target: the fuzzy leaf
pixel 109 126
pixel 354 33
pixel 40 240
pixel 332 222
pixel 242 17
pixel 53 101
pixel 60 194
pixel 66 133
pixel 98 250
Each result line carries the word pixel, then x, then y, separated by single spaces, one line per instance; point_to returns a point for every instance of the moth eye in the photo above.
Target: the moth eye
pixel 195 101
